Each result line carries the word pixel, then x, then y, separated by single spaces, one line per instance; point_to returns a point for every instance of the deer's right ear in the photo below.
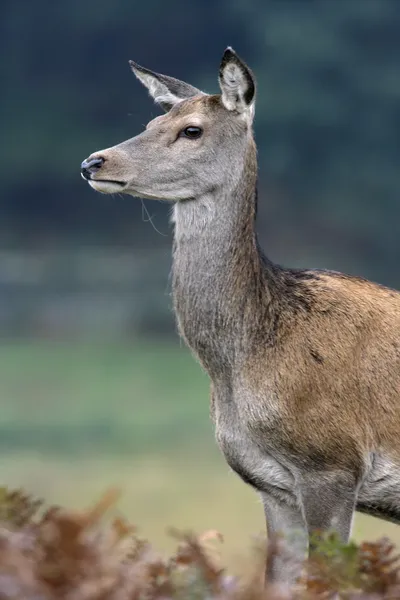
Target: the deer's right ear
pixel 237 84
pixel 166 91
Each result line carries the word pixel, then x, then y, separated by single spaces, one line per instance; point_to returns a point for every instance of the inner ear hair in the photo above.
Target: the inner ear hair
pixel 236 81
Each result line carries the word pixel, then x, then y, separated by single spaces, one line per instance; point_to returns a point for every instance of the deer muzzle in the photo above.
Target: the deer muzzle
pixel 91 166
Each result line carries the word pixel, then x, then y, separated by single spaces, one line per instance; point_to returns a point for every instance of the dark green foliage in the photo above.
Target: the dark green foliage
pixel 371 567
pixel 327 122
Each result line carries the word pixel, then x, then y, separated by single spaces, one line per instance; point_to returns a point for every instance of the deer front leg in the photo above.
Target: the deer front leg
pixel 329 501
pixel 327 504
pixel 284 518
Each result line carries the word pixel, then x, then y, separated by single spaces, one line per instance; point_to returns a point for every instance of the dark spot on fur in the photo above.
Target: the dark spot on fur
pixel 316 356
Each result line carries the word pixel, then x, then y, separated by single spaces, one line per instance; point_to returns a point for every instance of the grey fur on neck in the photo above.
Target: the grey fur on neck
pixel 192 217
pixel 217 272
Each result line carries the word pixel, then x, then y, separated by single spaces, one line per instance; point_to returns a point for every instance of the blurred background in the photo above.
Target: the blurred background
pixel 95 387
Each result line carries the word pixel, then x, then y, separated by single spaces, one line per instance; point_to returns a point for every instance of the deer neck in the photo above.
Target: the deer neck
pixel 218 274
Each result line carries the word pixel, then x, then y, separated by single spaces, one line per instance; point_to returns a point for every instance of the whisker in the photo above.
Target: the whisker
pixel 149 218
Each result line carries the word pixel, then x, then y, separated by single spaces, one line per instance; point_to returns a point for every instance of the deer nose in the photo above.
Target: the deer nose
pixel 91 166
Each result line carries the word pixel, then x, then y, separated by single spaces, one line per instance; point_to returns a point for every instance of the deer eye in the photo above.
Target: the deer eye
pixel 191 132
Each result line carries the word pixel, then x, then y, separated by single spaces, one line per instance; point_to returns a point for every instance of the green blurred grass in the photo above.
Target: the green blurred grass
pixel 76 419
pixel 93 397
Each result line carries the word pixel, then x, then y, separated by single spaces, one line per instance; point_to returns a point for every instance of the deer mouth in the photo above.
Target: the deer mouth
pixel 107 186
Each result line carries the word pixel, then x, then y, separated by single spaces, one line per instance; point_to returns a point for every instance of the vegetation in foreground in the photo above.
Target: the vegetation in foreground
pixel 49 553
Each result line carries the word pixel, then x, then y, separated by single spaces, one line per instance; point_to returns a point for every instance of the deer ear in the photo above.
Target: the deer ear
pixel 237 83
pixel 166 91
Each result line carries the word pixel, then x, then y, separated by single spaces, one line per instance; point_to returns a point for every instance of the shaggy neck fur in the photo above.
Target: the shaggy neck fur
pixel 222 284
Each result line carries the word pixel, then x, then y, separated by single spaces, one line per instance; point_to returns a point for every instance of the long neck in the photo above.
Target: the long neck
pixel 220 286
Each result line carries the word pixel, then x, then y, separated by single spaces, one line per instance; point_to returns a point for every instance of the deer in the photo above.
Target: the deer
pixel 303 364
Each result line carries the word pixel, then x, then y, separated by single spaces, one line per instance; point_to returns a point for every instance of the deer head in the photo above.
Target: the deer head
pixel 195 149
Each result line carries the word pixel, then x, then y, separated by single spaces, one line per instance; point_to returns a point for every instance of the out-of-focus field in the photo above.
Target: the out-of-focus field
pixel 76 419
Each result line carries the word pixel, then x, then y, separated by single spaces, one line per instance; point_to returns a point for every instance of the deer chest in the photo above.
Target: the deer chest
pixel 262 468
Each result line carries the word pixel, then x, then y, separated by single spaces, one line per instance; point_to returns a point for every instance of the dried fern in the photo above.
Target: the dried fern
pixel 49 554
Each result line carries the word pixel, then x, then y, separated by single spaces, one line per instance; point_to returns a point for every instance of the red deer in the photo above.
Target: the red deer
pixel 304 364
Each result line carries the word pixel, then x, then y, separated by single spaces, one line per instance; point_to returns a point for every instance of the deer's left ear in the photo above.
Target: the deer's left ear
pixel 237 83
pixel 166 91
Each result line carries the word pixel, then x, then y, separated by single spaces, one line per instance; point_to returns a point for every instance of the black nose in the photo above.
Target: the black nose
pixel 88 167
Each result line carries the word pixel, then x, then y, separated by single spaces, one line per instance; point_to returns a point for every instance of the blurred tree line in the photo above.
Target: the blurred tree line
pixel 327 120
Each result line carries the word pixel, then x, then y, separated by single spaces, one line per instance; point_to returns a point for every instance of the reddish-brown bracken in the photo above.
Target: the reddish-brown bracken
pixel 53 553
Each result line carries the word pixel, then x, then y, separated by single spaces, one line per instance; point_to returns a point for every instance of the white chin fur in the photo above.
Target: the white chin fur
pixel 106 187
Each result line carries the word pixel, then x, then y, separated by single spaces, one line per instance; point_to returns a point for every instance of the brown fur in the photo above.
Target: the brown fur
pixel 336 369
